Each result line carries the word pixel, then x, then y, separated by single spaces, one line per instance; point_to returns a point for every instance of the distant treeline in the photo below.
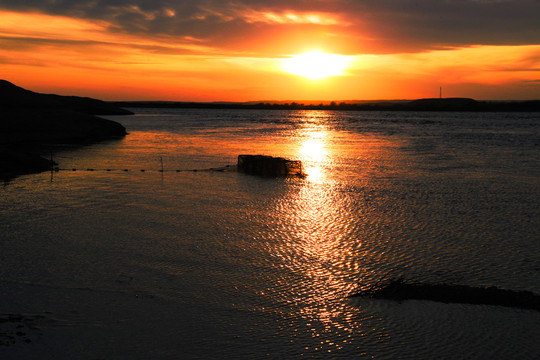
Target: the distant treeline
pixel 444 104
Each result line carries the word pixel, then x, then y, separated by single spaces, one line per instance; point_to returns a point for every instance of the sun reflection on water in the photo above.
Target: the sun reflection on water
pixel 313 154
pixel 312 233
pixel 323 223
pixel 316 219
pixel 314 150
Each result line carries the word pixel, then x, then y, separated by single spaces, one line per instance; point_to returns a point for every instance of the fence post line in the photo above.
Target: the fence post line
pixel 161 159
pixel 52 166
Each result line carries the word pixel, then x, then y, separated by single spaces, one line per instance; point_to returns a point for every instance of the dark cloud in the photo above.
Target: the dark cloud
pixel 385 25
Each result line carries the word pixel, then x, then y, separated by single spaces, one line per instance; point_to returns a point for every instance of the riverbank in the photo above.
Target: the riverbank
pixel 31 124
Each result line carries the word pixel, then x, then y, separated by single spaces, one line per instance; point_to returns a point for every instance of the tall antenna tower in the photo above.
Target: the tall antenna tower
pixel 440 92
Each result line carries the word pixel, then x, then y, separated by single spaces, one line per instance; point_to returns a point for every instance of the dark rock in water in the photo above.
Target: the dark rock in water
pixel 400 290
pixel 269 166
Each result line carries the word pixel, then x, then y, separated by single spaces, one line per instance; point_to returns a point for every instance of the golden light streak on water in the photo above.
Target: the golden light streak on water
pixel 314 151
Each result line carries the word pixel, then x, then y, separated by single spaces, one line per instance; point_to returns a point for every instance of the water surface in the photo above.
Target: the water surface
pixel 195 264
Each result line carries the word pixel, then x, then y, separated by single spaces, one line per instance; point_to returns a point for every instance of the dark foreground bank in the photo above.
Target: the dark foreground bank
pixel 400 290
pixel 32 123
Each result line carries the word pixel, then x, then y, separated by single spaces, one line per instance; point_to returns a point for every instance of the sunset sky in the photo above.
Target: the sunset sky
pixel 213 50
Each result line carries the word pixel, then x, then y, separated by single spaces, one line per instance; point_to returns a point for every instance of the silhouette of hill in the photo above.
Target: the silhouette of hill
pixel 12 96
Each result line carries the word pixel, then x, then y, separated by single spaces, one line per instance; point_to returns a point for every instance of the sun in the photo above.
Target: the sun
pixel 316 65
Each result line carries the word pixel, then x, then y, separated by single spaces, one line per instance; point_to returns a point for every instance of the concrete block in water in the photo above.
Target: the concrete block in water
pixel 269 166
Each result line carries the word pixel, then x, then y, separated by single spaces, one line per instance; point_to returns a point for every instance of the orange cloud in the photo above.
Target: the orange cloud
pixel 72 56
pixel 47 26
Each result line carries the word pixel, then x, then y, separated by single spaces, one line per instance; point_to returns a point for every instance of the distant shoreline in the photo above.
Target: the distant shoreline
pixel 435 104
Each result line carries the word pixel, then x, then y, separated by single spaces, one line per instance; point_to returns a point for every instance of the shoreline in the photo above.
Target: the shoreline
pixel 435 104
pixel 31 124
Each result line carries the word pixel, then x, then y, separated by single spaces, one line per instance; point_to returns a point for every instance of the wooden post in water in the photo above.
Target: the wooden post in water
pixel 52 166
